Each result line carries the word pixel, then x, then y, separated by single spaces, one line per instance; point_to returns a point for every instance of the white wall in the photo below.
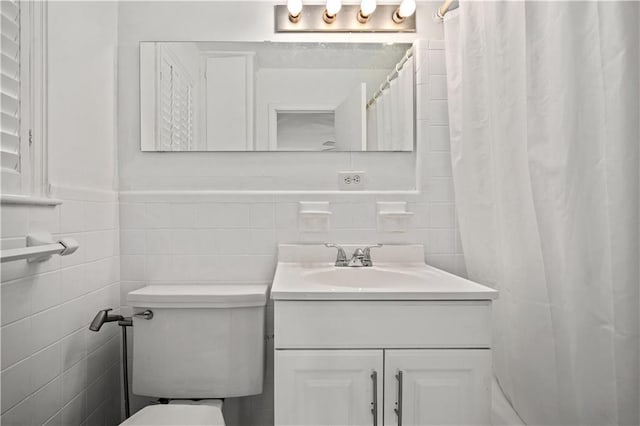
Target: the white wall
pixel 231 237
pixel 54 370
pixel 242 21
pixel 81 90
pixel 205 217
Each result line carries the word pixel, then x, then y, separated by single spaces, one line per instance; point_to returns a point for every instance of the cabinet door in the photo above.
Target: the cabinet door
pixel 437 387
pixel 328 387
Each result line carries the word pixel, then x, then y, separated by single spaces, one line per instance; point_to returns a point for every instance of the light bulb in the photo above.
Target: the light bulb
pixel 367 7
pixel 407 8
pixel 294 7
pixel 333 7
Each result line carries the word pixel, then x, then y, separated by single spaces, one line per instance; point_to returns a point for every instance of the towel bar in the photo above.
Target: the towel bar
pixel 40 247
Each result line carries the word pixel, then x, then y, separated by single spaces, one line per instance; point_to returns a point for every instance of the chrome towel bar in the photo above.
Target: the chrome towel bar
pixel 40 247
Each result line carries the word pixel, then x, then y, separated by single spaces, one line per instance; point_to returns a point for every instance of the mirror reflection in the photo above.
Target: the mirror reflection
pixel 266 96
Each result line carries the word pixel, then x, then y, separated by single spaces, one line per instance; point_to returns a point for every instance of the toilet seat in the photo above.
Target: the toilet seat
pixel 179 413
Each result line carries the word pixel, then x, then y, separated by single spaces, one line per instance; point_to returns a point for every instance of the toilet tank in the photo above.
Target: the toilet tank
pixel 203 341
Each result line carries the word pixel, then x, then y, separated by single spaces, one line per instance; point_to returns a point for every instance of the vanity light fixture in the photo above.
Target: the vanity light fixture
pixel 331 10
pixel 367 7
pixel 406 9
pixel 331 16
pixel 295 10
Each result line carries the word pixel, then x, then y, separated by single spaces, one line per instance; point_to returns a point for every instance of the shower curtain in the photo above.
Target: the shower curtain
pixel 543 112
pixel 390 117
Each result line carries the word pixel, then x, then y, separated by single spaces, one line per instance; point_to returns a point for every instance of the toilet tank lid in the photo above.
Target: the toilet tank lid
pixel 199 296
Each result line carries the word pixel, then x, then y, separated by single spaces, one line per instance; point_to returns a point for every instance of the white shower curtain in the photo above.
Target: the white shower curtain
pixel 543 112
pixel 390 117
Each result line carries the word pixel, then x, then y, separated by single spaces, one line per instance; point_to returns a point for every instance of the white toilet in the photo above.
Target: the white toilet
pixel 193 344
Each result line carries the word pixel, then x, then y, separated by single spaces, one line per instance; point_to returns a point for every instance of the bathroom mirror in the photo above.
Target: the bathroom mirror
pixel 273 96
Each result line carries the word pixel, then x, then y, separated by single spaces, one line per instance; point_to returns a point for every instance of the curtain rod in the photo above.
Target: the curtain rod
pixel 444 8
pixel 391 76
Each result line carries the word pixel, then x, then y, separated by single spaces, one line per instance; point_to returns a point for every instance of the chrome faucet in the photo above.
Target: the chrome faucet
pixel 360 257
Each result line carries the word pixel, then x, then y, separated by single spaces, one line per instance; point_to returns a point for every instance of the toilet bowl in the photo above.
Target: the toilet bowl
pixel 195 343
pixel 183 413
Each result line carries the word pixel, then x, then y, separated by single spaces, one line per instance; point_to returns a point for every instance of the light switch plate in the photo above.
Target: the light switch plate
pixel 351 181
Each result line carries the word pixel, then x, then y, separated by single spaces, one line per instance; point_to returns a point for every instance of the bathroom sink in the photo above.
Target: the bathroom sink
pixel 361 278
pixel 307 272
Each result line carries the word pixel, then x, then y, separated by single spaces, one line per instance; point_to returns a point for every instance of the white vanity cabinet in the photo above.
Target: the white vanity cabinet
pixel 382 362
pixel 437 387
pixel 328 387
pixel 396 343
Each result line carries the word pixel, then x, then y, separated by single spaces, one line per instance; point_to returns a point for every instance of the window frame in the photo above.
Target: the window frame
pixel 31 182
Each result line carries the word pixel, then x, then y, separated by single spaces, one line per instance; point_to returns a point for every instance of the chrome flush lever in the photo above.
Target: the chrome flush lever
pixel 148 314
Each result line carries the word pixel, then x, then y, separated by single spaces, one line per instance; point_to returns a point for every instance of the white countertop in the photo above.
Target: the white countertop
pixel 384 281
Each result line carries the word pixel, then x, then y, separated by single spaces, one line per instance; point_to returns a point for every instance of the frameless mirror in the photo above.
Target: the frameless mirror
pixel 267 96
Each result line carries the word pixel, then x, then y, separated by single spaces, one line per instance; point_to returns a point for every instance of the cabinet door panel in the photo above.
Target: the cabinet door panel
pixel 327 387
pixel 439 387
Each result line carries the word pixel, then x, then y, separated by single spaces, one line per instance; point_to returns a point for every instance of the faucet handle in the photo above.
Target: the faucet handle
pixel 367 254
pixel 341 259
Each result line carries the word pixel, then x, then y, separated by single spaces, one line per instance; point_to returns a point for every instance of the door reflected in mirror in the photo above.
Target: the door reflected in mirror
pixel 266 96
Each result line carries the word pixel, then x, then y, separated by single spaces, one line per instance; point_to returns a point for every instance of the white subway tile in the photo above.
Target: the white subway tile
pixel 16 300
pixel 162 268
pixel 132 216
pixel 439 164
pixel 438 87
pixel 74 282
pixel 437 62
pixel 440 189
pixel 440 241
pixel 262 215
pixel 45 328
pixel 158 241
pixel 45 291
pixel 72 217
pixel 158 215
pixel 19 415
pixel 132 241
pixel 183 215
pixel 287 215
pixel 262 241
pixel 16 342
pixel 44 219
pixel 75 411
pixel 15 382
pixel 74 381
pixel 442 216
pixel 46 365
pixel 15 220
pixel 342 215
pixel 223 215
pixel 47 401
pixel 439 138
pixel 99 216
pixel 364 215
pixel 73 349
pixel 132 267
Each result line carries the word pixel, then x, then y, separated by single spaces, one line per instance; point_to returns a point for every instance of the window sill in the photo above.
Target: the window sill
pixel 27 200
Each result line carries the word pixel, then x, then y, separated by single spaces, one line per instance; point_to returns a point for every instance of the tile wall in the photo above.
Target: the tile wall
pixel 54 370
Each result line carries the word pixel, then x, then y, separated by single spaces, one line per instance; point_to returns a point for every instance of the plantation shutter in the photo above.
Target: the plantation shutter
pixel 175 118
pixel 10 89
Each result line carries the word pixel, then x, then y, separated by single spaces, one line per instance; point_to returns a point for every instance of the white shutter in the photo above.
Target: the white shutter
pixel 10 88
pixel 175 107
